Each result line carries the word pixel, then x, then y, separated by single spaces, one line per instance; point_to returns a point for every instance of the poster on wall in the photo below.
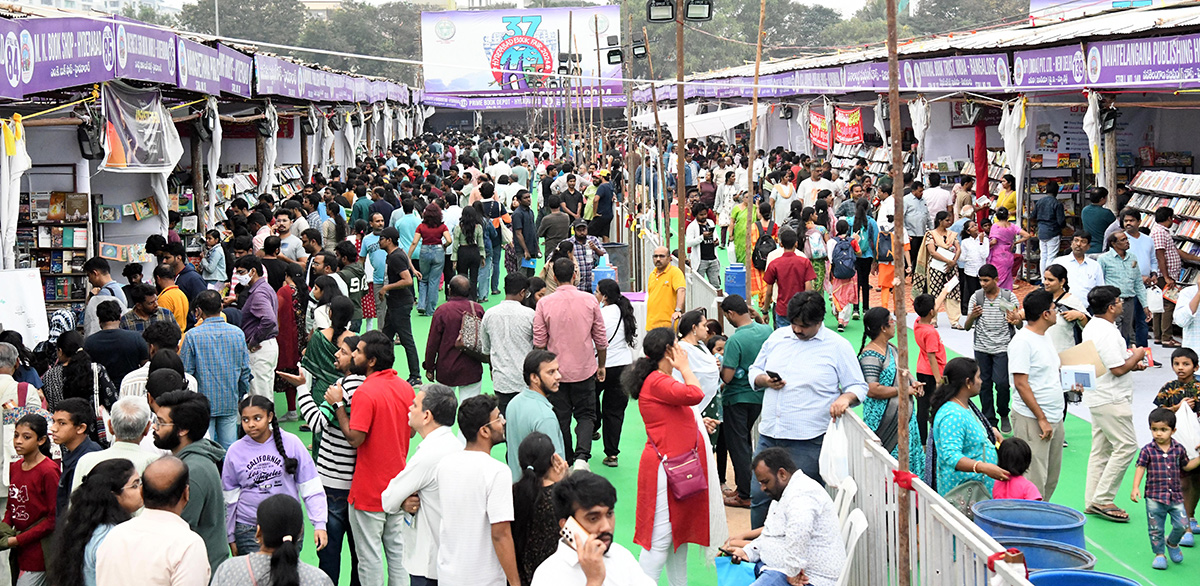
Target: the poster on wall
pixel 1059 131
pixel 136 137
pixel 818 130
pixel 513 51
pixel 849 126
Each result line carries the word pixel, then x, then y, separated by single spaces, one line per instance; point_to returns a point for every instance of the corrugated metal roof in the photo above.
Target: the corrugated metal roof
pixel 1119 23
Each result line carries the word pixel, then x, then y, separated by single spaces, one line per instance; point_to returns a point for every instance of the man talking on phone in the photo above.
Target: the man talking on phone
pixel 586 553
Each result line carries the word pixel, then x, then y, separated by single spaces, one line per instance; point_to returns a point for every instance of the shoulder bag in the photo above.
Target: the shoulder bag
pixel 471 330
pixel 685 473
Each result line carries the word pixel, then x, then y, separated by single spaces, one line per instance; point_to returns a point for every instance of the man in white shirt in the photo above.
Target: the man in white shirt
pixel 1033 370
pixel 130 423
pixel 587 502
pixel 937 199
pixel 1083 273
pixel 801 539
pixel 475 544
pixel 1114 442
pixel 415 489
pixel 156 547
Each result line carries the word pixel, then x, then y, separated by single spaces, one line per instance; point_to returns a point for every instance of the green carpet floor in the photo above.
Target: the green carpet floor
pixel 1122 549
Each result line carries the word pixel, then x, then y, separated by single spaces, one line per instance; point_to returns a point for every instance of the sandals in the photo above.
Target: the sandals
pixel 1171 344
pixel 1110 511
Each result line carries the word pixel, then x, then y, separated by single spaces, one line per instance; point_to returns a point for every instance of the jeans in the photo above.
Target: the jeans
pixel 805 453
pixel 432 260
pixel 768 577
pixel 781 321
pixel 485 273
pixel 244 537
pixel 711 270
pixel 739 420
pixel 576 399
pixel 1048 251
pixel 494 263
pixel 375 532
pixel 610 408
pixel 399 322
pixel 337 527
pixel 223 429
pixel 1157 514
pixel 993 369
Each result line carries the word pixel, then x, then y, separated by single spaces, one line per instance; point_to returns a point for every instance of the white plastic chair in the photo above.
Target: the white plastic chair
pixel 856 525
pixel 843 501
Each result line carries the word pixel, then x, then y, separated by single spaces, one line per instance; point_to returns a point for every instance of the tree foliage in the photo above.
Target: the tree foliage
pixel 147 14
pixel 387 30
pixel 268 21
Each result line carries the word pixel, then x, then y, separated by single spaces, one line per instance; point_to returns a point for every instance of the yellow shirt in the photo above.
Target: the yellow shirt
pixel 660 296
pixel 1008 199
pixel 173 300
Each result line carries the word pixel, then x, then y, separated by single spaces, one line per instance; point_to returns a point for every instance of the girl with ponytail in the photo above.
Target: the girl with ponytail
pixel 962 446
pixel 535 522
pixel 278 534
pixel 75 375
pixel 267 461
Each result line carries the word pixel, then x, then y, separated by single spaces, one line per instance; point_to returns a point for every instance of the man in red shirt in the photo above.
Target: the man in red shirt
pixel 791 273
pixel 379 430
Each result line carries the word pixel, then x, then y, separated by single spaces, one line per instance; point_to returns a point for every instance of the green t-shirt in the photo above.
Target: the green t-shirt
pixel 741 350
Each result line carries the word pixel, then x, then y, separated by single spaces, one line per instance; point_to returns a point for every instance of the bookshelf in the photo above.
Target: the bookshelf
pixel 55 233
pixel 244 184
pixel 997 168
pixel 844 156
pixel 1154 188
pixel 1068 171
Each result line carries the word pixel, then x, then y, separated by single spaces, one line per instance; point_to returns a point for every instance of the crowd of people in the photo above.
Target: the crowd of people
pixel 148 447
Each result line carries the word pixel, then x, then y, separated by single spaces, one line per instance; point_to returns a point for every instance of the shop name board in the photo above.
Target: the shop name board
pixel 64 52
pixel 199 68
pixel 276 77
pixel 145 53
pixel 1169 60
pixel 1059 67
pixel 236 70
pixel 509 102
pixel 973 71
pixel 866 75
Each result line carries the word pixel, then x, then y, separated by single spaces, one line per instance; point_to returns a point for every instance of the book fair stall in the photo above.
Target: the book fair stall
pixel 111 125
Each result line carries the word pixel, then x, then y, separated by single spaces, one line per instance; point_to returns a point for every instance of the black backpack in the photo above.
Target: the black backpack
pixel 763 247
pixel 883 248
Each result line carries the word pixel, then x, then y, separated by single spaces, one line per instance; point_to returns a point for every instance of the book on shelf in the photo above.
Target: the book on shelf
pixel 75 207
pixel 57 206
pixel 56 261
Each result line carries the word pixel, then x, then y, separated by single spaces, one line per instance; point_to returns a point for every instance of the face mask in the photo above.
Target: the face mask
pixel 239 279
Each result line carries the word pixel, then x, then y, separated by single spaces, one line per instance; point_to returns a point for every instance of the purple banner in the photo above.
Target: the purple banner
pixel 514 102
pixel 865 75
pixel 57 53
pixel 397 93
pixel 342 87
pixel 199 67
pixel 1060 67
pixel 360 88
pixel 144 52
pixel 11 33
pixel 1170 61
pixel 276 77
pixel 314 85
pixel 237 70
pixel 962 71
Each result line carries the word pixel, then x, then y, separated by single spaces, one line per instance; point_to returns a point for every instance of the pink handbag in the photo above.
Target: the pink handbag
pixel 685 473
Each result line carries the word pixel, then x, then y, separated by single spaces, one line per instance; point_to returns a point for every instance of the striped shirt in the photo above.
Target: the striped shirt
pixel 992 330
pixel 335 455
pixel 215 353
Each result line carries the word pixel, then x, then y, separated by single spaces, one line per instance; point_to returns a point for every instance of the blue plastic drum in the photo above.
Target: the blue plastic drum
pixel 735 280
pixel 1041 554
pixel 1033 519
pixel 601 273
pixel 1078 578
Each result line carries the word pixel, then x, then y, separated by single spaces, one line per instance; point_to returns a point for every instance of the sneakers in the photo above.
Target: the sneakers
pixel 1160 562
pixel 581 465
pixel 289 416
pixel 856 316
pixel 1195 525
pixel 596 435
pixel 414 382
pixel 1176 555
pixel 1188 540
pixel 1005 424
pixel 841 327
pixel 610 461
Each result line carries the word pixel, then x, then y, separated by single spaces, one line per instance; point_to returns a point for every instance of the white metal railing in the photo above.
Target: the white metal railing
pixel 946 548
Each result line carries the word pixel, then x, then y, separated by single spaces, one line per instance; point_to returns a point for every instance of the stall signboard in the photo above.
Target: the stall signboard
pixel 513 102
pixel 848 127
pixel 360 88
pixel 1167 61
pixel 818 129
pixel 199 68
pixel 13 59
pixel 514 51
pixel 960 71
pixel 144 52
pixel 817 81
pixel 865 75
pixel 1059 67
pixel 313 85
pixel 237 70
pixel 136 137
pixel 58 53
pixel 276 77
pixel 341 87
pixel 397 93
pixel 378 91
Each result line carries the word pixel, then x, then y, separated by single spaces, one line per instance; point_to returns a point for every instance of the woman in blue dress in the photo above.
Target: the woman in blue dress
pixel 962 444
pixel 881 409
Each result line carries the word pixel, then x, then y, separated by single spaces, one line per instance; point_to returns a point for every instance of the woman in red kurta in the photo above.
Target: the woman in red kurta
pixel 663 522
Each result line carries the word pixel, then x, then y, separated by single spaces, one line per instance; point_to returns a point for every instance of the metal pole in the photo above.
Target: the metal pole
pixel 217 18
pixel 751 151
pixel 680 174
pixel 662 186
pixel 630 193
pixel 904 559
pixel 599 98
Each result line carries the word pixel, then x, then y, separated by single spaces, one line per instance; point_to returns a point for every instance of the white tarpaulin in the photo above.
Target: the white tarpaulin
pixel 880 127
pixel 214 155
pixel 710 123
pixel 325 139
pixel 1091 127
pixel 667 116
pixel 140 138
pixel 14 162
pixel 1013 131
pixel 266 175
pixel 918 111
pixel 389 124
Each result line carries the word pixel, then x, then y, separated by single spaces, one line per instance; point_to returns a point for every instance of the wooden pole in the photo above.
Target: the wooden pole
pixel 680 164
pixel 751 150
pixel 304 162
pixel 199 196
pixel 662 185
pixel 902 498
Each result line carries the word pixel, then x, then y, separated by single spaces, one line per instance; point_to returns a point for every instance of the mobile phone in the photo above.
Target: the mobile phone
pixel 774 375
pixel 733 559
pixel 573 534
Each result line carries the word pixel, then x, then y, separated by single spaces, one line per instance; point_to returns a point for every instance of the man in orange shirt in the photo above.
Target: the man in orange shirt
pixel 170 297
pixel 666 291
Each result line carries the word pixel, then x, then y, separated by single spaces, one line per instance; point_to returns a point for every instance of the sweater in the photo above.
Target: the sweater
pixel 205 510
pixel 255 471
